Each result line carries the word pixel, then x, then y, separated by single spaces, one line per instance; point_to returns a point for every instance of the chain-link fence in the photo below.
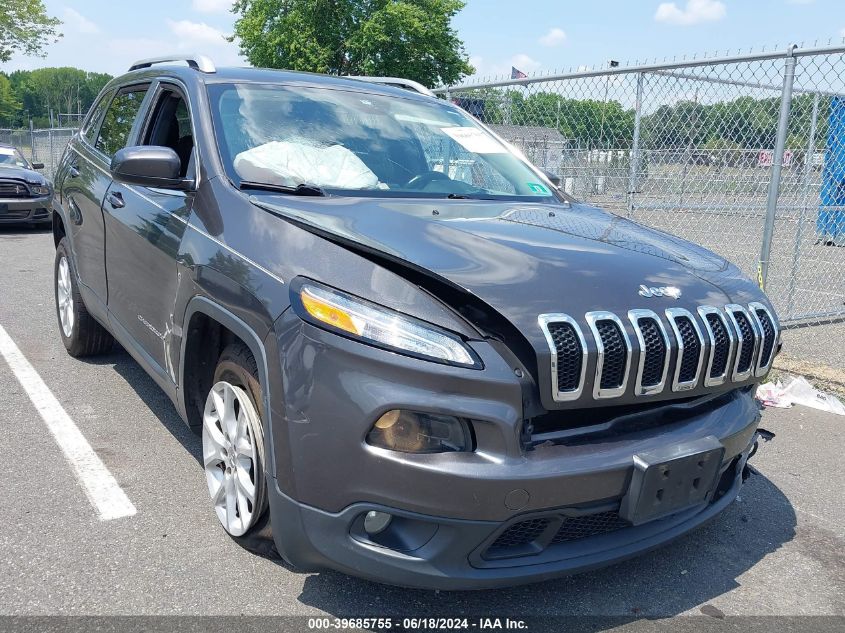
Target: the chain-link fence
pixel 40 146
pixel 744 155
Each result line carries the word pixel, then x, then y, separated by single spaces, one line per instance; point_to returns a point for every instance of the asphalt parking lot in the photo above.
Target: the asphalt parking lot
pixel 780 550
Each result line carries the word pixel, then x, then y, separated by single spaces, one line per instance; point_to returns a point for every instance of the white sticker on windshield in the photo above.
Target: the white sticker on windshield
pixel 7 151
pixel 475 140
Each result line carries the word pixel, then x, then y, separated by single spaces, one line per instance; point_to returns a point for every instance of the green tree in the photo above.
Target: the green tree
pixel 590 123
pixel 406 38
pixel 35 92
pixel 10 106
pixel 66 90
pixel 26 28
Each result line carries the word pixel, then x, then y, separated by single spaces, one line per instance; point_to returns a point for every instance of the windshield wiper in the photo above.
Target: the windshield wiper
pixel 465 196
pixel 300 190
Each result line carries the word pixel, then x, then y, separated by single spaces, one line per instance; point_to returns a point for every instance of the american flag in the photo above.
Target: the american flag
pixel 516 73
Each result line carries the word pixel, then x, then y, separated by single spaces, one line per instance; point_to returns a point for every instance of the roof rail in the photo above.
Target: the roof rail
pixel 197 62
pixel 398 82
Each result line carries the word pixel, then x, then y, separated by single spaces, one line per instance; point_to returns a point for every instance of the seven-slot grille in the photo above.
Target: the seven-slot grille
pixel 654 350
pixel 13 189
pixel 733 343
pixel 615 355
pixel 746 341
pixel 768 337
pixel 720 345
pixel 569 353
pixel 690 349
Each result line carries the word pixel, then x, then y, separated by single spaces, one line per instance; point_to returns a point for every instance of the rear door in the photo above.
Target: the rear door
pixel 144 227
pixel 85 179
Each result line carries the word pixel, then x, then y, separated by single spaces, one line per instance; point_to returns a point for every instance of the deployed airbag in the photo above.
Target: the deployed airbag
pixel 290 164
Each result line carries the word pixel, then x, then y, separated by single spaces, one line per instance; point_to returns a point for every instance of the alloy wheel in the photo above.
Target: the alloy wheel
pixel 64 297
pixel 232 468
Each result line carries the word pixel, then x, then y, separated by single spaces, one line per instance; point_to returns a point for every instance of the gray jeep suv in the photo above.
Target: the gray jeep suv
pixel 408 354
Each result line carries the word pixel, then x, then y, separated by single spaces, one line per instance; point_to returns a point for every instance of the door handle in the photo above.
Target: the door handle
pixel 73 172
pixel 115 199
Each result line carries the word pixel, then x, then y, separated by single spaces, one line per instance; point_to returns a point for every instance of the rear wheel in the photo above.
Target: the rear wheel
pixel 81 334
pixel 233 442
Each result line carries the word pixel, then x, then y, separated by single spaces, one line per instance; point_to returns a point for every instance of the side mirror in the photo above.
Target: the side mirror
pixel 150 166
pixel 38 165
pixel 553 178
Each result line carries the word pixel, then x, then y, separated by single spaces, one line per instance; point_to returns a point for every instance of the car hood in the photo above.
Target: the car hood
pixel 523 259
pixel 21 173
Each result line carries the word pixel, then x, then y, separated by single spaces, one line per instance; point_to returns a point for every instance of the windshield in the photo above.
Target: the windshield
pixel 357 143
pixel 11 156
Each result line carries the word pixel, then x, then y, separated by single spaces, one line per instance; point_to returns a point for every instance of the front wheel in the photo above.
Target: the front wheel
pixel 233 442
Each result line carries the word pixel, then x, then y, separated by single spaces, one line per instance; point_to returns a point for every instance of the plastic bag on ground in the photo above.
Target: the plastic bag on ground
pixel 289 164
pixel 770 394
pixel 796 390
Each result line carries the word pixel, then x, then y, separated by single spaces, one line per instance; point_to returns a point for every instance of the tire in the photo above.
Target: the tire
pixel 233 444
pixel 81 334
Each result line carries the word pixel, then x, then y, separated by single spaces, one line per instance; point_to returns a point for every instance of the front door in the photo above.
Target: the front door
pixel 144 227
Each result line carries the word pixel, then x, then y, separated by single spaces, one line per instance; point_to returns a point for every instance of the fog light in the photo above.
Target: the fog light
pixel 376 522
pixel 417 432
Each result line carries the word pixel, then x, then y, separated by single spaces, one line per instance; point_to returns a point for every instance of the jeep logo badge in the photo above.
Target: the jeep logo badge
pixel 659 291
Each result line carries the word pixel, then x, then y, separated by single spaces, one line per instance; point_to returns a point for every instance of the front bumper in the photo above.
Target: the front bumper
pixel 450 508
pixel 25 210
pixel 451 559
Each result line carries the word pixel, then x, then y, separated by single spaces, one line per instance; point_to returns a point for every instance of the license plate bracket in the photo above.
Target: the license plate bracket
pixel 671 479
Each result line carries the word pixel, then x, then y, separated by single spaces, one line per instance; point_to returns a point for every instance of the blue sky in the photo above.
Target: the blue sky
pixel 533 35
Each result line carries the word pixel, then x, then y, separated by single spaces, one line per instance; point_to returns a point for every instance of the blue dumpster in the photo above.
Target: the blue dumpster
pixel 830 224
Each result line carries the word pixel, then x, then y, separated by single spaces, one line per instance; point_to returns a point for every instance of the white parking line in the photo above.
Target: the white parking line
pixel 100 486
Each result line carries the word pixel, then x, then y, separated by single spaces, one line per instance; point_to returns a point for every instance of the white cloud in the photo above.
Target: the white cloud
pixel 695 12
pixel 502 68
pixel 116 51
pixel 523 62
pixel 555 37
pixel 212 6
pixel 194 32
pixel 78 22
pixel 130 49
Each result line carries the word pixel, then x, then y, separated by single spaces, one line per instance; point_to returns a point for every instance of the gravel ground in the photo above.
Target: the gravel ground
pixel 779 550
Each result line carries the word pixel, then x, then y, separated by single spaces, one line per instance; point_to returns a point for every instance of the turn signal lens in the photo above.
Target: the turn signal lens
pixel 383 327
pixel 329 314
pixel 415 432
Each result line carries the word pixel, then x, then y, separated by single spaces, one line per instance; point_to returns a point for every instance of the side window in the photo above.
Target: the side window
pixel 92 123
pixel 170 126
pixel 117 123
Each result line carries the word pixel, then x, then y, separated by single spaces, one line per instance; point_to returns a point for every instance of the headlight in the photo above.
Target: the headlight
pixel 39 190
pixel 382 327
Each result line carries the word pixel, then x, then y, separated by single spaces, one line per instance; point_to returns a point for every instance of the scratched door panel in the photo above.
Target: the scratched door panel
pixel 142 238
